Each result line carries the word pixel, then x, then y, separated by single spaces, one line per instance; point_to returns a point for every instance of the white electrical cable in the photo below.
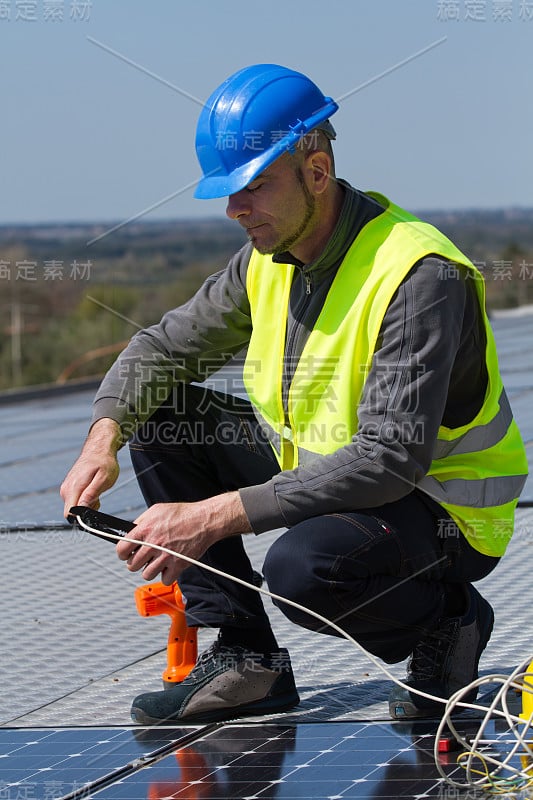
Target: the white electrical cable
pixel 504 777
pixel 272 595
pixel 488 780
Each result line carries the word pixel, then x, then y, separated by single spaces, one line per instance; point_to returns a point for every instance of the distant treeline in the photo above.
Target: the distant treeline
pixel 72 295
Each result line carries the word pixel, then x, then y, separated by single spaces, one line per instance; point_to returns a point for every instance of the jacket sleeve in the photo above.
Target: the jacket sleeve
pixel 403 404
pixel 190 343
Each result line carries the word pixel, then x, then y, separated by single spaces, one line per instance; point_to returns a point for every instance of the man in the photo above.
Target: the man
pixel 378 433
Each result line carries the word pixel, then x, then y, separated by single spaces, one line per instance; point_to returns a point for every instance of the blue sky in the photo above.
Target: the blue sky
pixel 87 136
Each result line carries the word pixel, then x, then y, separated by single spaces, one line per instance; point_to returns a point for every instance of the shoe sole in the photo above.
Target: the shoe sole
pixel 273 706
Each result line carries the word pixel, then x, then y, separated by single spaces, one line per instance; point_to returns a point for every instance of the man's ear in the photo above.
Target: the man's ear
pixel 318 167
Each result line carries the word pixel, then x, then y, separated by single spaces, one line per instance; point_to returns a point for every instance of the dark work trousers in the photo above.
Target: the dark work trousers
pixel 382 574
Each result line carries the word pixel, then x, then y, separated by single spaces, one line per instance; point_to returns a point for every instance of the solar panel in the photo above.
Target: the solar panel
pixel 321 761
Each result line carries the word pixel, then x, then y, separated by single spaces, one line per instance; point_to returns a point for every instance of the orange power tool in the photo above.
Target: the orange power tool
pixel 182 647
pixel 152 599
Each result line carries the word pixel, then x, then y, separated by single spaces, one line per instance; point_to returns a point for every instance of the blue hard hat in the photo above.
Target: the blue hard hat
pixel 254 117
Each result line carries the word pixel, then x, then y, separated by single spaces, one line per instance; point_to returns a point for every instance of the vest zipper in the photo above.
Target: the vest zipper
pixel 299 315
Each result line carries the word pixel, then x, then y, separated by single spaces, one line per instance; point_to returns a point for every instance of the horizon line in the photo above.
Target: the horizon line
pixel 216 218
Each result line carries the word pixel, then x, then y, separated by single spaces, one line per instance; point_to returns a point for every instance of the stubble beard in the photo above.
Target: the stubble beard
pixel 285 244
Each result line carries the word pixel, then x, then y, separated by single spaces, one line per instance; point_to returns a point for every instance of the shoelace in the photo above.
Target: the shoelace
pixel 213 656
pixel 427 660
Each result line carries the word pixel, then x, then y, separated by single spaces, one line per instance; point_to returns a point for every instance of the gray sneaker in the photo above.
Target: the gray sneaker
pixel 227 682
pixel 445 661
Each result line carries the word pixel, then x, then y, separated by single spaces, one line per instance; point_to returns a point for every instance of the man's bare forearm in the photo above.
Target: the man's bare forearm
pixel 226 514
pixel 105 433
pixel 96 469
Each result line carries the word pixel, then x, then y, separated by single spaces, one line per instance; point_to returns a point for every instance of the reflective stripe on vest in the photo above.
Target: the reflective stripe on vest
pixel 468 462
pixel 479 437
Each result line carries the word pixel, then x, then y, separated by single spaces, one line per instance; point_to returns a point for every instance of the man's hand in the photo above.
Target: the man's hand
pixel 188 528
pixel 96 469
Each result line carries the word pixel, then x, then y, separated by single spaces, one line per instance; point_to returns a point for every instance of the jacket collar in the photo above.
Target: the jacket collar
pixel 357 209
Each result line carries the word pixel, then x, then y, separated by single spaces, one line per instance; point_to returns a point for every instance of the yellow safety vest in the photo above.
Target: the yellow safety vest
pixel 477 470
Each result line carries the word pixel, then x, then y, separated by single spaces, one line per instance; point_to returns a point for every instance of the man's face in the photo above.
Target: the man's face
pixel 277 210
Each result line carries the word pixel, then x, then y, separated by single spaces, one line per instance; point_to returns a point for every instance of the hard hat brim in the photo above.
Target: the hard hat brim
pixel 211 186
